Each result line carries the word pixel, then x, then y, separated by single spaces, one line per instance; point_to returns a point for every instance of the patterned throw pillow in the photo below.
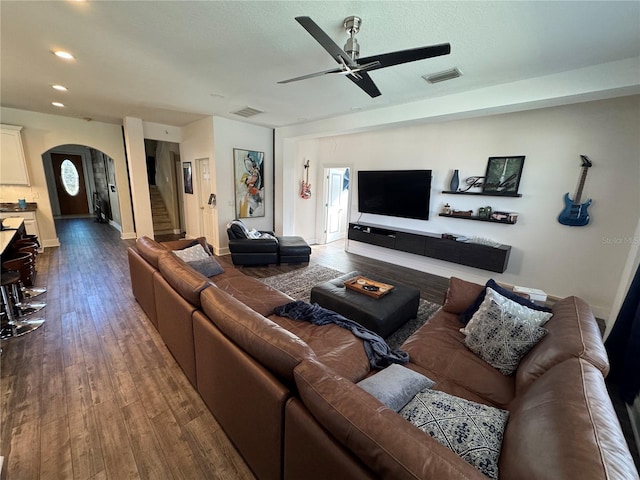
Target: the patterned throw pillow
pixel 535 317
pixel 501 338
pixel 491 283
pixel 197 252
pixel 471 430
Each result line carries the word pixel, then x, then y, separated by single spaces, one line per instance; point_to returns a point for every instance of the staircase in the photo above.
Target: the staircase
pixel 161 220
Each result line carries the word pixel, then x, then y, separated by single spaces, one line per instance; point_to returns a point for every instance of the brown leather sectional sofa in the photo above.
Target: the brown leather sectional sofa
pixel 285 391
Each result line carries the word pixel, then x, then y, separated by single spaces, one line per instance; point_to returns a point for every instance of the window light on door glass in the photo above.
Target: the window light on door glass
pixel 70 177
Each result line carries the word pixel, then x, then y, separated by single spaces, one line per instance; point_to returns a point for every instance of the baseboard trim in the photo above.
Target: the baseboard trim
pixel 55 242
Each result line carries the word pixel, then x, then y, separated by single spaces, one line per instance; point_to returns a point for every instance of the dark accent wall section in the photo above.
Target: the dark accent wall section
pixel 101 180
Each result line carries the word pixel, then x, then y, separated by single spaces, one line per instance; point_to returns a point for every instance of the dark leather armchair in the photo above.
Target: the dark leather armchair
pixel 251 251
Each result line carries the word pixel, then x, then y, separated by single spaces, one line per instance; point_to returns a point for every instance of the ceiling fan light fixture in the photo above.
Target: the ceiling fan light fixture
pixel 247 112
pixel 443 76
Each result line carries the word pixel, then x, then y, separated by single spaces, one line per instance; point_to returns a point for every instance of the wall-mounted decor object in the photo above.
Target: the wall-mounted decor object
pixel 305 187
pixel 575 214
pixel 187 175
pixel 503 175
pixel 455 181
pixel 249 183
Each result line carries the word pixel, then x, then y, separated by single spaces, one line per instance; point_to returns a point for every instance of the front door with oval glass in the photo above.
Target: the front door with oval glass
pixel 69 175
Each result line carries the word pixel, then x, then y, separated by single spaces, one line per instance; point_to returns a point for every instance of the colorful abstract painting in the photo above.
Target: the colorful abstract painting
pixel 249 183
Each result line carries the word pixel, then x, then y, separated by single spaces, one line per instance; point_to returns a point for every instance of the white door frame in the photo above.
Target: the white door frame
pixel 206 218
pixel 325 200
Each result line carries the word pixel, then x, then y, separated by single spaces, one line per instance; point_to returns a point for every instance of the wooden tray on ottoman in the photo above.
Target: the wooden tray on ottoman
pixel 353 284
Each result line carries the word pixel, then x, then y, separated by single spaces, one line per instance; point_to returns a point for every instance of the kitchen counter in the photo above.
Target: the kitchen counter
pixel 13 226
pixel 15 207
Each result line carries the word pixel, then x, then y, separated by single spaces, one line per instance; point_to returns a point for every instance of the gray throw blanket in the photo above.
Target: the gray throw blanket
pixel 379 354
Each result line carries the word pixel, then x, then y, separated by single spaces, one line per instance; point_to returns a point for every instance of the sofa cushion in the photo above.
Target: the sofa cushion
pixel 501 338
pixel 150 250
pixel 573 333
pixel 395 386
pixel 383 441
pixel 334 346
pixel 565 424
pixel 460 295
pixel 183 279
pixel 277 349
pixel 471 430
pixel 250 291
pixel 438 346
pixel 466 315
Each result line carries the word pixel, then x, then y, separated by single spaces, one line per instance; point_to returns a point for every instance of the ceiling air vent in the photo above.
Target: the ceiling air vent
pixel 248 112
pixel 443 76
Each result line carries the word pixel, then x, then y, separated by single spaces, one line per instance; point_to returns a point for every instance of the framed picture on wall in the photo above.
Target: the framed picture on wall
pixel 503 175
pixel 248 168
pixel 187 175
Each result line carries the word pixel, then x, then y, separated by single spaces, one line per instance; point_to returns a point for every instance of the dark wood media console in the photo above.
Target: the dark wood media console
pixel 433 245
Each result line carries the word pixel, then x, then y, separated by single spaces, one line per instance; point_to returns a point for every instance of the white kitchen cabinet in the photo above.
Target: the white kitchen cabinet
pixel 13 164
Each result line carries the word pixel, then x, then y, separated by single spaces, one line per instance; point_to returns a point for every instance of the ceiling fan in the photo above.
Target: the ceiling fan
pixel 356 68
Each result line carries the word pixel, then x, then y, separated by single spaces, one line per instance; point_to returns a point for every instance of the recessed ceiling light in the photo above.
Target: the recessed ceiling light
pixel 57 104
pixel 63 54
pixel 60 88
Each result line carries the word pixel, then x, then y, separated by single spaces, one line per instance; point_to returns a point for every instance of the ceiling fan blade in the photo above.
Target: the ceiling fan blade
pixel 363 80
pixel 312 75
pixel 324 40
pixel 405 56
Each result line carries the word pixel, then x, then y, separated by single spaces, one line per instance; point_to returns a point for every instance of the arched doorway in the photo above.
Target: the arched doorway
pixel 81 181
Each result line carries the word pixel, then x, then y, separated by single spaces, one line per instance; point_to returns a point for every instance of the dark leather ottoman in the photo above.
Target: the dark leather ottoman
pixel 381 315
pixel 293 250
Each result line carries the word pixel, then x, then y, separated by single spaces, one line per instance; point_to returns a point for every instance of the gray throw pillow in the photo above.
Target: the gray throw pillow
pixel 395 385
pixel 501 337
pixel 206 266
pixel 471 430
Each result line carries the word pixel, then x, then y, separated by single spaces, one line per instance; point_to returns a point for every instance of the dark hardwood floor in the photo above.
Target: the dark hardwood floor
pixel 95 394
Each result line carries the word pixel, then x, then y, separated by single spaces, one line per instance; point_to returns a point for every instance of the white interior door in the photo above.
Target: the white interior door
pixel 336 203
pixel 205 189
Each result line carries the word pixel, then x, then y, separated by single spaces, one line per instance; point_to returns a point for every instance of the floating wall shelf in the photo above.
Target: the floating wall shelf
pixel 508 194
pixel 476 218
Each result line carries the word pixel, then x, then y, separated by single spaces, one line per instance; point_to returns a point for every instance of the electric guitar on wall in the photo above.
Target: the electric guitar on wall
pixel 575 214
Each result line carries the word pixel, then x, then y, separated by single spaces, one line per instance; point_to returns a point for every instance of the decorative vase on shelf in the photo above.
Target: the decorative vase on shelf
pixel 455 182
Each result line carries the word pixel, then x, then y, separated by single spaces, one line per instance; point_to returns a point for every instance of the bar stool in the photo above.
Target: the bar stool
pixel 31 238
pixel 14 326
pixel 23 265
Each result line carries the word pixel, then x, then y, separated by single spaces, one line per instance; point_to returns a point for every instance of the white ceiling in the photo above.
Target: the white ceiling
pixel 174 62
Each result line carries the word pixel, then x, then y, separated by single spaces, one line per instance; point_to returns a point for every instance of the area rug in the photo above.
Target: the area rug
pixel 298 283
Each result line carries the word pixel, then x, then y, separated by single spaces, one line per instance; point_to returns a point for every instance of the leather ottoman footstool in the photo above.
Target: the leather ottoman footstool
pixel 381 315
pixel 293 250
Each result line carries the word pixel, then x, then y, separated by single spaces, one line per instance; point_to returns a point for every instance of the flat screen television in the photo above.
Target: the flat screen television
pixel 396 193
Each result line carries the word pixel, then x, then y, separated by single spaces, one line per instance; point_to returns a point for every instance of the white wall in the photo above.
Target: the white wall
pixel 42 132
pixel 197 143
pixel 230 134
pixel 138 180
pixel 584 261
